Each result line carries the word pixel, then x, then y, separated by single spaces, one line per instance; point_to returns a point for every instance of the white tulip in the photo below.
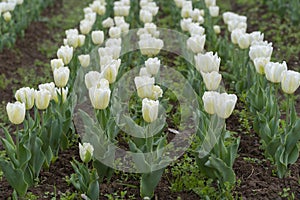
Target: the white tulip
pixel 211 80
pixel 145 16
pixel 152 65
pixel 225 104
pixel 156 92
pixel 16 112
pixel 184 24
pixel 7 16
pixel 209 99
pixel 150 110
pixel 209 3
pixel 236 34
pixel 121 10
pixel 150 46
pixel 214 11
pixel 92 78
pixel 61 76
pixel 65 53
pixel 290 81
pixel 114 32
pixel 98 37
pixel 217 29
pixel 86 152
pixel 56 63
pixel 111 42
pixel 207 62
pixel 50 87
pixel 260 49
pixel 108 22
pixel 84 60
pixel 260 64
pixel 196 43
pixel 26 95
pixel 256 36
pixel 64 94
pixel 144 86
pixel 274 71
pixel 99 97
pixel 244 41
pixel 144 72
pixel 42 99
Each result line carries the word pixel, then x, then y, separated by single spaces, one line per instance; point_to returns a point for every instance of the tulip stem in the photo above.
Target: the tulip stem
pixel 17 142
pixel 287 113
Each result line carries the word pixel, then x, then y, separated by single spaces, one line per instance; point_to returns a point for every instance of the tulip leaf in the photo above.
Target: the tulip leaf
pixel 149 182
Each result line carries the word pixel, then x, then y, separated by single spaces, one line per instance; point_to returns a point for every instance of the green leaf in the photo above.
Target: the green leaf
pixel 149 182
pixel 15 177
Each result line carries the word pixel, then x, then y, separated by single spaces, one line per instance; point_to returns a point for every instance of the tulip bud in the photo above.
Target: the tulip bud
pixel 84 60
pixel 211 80
pixel 225 104
pixel 144 86
pixel 152 65
pixel 65 53
pixel 7 16
pixel 207 62
pixel 86 152
pixel 150 110
pixel 99 97
pixel 290 81
pixel 217 29
pixel 98 37
pixel 56 63
pixel 42 99
pixel 209 99
pixel 274 71
pixel 16 112
pixel 196 43
pixel 61 76
pixel 26 95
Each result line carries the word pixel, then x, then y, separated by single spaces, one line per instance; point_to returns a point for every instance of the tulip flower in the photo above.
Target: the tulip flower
pixel 236 34
pixel 152 65
pixel 195 29
pixel 214 11
pixel 50 87
pixel 209 99
pixel 224 105
pixel 7 16
pixel 211 80
pixel 244 41
pixel 92 78
pixel 99 97
pixel 196 43
pixel 56 63
pixel 98 7
pixel 84 60
pixel 156 92
pixel 61 76
pixel 114 32
pixel 86 152
pixel 150 110
pixel 274 71
pixel 111 42
pixel 16 112
pixel 150 46
pixel 207 62
pixel 145 16
pixel 85 26
pixel 42 99
pixel 184 24
pixel 65 53
pixel 110 71
pixel 290 81
pixel 256 36
pixel 26 95
pixel 209 3
pixel 98 37
pixel 260 49
pixel 121 10
pixel 108 22
pixel 81 39
pixel 144 86
pixel 260 64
